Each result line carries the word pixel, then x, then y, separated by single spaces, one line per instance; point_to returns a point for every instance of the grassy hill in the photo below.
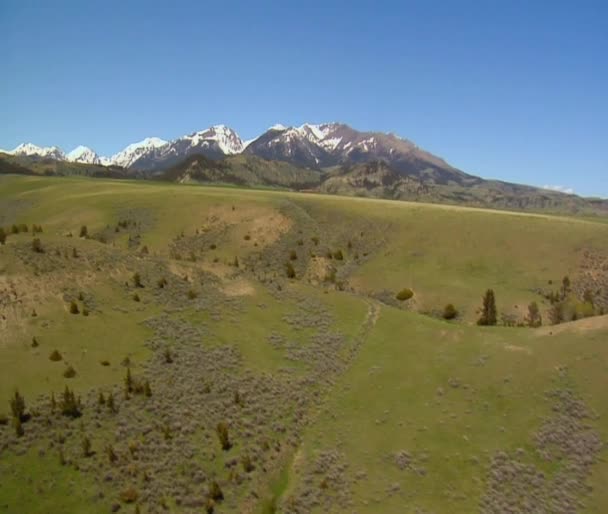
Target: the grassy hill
pixel 33 165
pixel 368 180
pixel 274 314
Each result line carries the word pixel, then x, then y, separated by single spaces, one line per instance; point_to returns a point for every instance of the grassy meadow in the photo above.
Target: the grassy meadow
pixel 274 314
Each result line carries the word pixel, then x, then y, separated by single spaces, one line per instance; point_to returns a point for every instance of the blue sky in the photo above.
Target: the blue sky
pixel 516 90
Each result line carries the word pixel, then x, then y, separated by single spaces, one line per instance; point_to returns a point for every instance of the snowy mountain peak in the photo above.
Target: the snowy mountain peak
pixel 134 151
pixel 83 154
pixel 224 137
pixel 30 149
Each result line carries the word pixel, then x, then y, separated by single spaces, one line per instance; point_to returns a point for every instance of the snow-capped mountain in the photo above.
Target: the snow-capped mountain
pixel 215 142
pixel 135 151
pixel 29 149
pixel 333 144
pixel 84 155
pixel 314 146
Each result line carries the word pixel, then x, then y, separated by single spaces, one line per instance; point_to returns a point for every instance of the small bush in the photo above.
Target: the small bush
pixel 136 298
pixel 129 495
pixel 3 420
pixel 2 236
pixel 449 311
pixel 215 491
pixel 315 240
pixel 37 246
pixel 69 372
pixel 404 294
pixel 162 282
pixel 212 246
pixel 247 464
pixel 168 356
pixel 246 237
pixel 86 447
pixel 84 232
pixel 35 343
pixel 289 270
pixel 112 457
pixel 74 308
pixel 338 255
pixel 222 434
pixel 137 280
pixel 55 356
pixel 85 311
pixel 192 294
pixel 104 362
pixel 293 255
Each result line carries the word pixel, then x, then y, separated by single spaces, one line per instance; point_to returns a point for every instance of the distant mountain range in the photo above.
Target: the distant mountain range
pixel 329 158
pixel 308 146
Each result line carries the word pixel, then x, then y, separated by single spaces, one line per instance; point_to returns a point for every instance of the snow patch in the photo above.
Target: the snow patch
pixel 560 189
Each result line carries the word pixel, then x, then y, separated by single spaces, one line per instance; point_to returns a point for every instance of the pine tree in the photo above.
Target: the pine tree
pixel 565 286
pixel 129 381
pixel 70 406
pixel 556 314
pixel 18 427
pixel 534 319
pixel 18 406
pixel 488 311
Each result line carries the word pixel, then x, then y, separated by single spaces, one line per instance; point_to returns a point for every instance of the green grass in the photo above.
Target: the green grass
pixel 386 401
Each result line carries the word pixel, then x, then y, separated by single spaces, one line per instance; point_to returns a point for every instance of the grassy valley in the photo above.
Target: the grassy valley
pixel 211 349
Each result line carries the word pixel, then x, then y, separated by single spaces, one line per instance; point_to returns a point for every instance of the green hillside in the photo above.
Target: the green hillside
pixel 260 358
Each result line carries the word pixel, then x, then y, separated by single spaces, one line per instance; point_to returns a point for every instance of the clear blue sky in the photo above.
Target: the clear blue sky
pixel 510 89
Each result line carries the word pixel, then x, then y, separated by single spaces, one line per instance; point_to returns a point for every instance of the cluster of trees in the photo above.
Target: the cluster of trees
pixel 16 229
pixel 133 386
pixel 488 314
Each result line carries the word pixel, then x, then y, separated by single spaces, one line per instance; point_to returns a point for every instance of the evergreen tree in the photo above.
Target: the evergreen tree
pixel 488 310
pixel 534 319
pixel 70 406
pixel 18 427
pixel 18 406
pixel 565 286
pixel 556 314
pixel 129 381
